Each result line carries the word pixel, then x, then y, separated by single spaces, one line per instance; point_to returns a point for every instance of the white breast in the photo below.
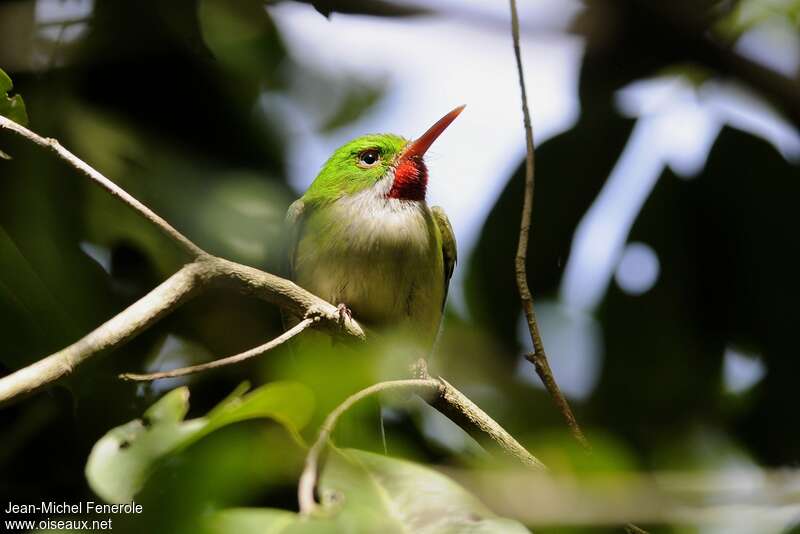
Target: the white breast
pixel 379 256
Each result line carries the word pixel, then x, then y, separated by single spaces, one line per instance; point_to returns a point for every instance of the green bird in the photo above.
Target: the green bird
pixel 362 236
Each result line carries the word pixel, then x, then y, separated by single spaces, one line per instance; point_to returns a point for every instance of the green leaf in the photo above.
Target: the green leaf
pixel 366 492
pixel 12 107
pixel 123 459
pixel 374 489
pixel 255 520
pixel 358 99
pixel 243 37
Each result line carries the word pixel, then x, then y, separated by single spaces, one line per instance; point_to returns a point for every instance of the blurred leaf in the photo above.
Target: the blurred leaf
pixel 747 14
pixel 662 350
pixel 357 367
pixel 236 213
pixel 194 90
pixel 359 98
pixel 51 285
pixel 119 151
pixel 363 488
pixel 243 37
pixel 336 97
pixel 255 520
pixel 366 492
pixel 379 8
pixel 727 277
pixel 11 106
pixel 17 24
pixel 746 276
pixel 22 289
pixel 122 460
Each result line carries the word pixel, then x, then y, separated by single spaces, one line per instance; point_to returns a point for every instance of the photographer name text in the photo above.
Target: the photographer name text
pixel 87 507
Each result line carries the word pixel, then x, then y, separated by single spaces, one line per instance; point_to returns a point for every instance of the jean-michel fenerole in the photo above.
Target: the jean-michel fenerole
pixel 88 507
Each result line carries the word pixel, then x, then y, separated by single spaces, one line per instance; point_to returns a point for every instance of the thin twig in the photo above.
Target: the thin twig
pixel 438 393
pixel 230 360
pixel 539 356
pixel 105 183
pixel 308 479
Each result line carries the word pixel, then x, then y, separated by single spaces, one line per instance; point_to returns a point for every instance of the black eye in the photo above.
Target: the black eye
pixel 368 158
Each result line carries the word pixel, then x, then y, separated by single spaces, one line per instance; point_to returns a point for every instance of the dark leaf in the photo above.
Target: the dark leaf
pixel 378 8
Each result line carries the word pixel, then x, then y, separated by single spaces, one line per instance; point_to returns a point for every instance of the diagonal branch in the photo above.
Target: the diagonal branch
pixel 121 328
pixel 194 277
pixel 539 356
pixel 474 421
pixel 438 393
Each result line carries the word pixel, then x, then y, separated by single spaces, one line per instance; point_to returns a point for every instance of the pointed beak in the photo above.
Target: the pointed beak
pixel 419 146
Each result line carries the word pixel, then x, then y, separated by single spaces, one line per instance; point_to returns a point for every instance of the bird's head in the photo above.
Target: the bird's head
pixel 390 164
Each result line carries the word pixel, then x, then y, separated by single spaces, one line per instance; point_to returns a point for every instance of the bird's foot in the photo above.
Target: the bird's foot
pixel 344 312
pixel 317 313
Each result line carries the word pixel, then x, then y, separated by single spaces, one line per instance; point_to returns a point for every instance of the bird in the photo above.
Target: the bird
pixel 363 237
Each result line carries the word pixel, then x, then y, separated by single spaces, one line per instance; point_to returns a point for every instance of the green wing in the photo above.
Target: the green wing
pixel 294 227
pixel 294 223
pixel 448 246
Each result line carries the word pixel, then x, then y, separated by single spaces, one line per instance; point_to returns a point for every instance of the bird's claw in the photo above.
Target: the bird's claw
pixel 316 313
pixel 344 312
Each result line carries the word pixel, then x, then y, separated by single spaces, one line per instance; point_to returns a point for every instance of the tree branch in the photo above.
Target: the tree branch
pixel 539 357
pixel 121 328
pixel 462 411
pixel 205 271
pixel 438 393
pixel 190 280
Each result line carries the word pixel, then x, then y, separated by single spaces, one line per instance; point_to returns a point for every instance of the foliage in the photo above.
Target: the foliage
pixel 360 491
pixel 366 492
pixel 121 461
pixel 192 106
pixel 12 107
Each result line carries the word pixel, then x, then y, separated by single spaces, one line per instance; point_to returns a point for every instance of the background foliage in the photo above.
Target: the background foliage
pixel 167 98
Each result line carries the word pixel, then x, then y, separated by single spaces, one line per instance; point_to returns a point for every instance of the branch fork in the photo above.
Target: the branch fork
pixel 204 271
pixel 438 393
pixel 201 272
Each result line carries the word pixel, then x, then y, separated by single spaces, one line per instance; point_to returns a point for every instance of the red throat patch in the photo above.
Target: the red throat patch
pixel 410 180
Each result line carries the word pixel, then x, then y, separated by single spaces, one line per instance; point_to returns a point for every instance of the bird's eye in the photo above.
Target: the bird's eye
pixel 368 158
